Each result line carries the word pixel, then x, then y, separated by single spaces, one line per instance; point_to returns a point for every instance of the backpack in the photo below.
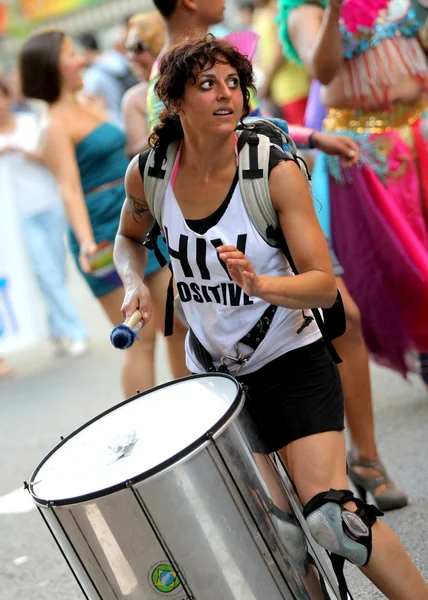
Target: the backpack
pixel 255 139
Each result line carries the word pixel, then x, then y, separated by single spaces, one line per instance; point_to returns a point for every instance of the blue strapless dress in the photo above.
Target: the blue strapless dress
pixel 101 159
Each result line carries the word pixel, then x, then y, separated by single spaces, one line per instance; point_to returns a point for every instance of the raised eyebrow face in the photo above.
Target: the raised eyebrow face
pixel 213 77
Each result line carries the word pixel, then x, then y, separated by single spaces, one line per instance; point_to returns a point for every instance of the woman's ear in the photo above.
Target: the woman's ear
pixel 175 108
pixel 190 5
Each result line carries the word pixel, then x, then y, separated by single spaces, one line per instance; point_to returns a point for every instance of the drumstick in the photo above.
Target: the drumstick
pixel 125 334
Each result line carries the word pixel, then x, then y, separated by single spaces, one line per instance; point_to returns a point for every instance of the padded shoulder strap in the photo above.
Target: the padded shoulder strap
pixel 254 183
pixel 157 175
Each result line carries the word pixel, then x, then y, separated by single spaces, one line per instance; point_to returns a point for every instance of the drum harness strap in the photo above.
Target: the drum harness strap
pixel 253 339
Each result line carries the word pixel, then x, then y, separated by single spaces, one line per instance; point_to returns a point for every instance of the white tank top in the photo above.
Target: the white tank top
pixel 34 186
pixel 217 310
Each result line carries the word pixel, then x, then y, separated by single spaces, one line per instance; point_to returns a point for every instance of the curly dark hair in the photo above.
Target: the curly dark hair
pixel 181 64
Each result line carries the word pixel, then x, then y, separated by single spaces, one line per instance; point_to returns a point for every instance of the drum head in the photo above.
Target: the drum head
pixel 137 439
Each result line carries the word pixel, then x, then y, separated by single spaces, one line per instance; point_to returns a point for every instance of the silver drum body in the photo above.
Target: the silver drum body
pixel 169 495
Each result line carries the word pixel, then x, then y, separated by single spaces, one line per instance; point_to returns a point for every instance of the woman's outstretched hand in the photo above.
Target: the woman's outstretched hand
pixel 337 145
pixel 240 269
pixel 137 296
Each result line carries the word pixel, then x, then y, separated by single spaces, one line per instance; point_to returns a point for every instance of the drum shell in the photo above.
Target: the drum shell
pixel 201 519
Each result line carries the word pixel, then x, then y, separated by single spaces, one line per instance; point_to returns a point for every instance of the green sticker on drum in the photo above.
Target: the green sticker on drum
pixel 164 578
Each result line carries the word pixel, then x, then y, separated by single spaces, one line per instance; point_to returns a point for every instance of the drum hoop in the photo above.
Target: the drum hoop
pixel 167 464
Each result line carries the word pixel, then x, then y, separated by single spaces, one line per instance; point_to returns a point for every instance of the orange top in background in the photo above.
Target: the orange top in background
pixel 3 14
pixel 41 9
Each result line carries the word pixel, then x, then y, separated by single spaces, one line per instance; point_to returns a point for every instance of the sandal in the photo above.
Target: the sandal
pixel 392 498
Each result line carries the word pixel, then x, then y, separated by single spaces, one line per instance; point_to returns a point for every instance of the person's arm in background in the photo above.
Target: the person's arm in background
pixel 278 62
pixel 60 157
pixel 36 155
pixel 134 111
pixel 315 35
pixel 329 143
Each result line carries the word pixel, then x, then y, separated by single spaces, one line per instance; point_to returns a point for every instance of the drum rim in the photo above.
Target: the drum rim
pixel 165 465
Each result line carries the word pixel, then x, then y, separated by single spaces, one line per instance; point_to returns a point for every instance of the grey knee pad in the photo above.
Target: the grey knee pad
pixel 341 531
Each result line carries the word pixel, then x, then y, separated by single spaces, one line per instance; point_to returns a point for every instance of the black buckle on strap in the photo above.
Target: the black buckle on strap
pixel 152 244
pixel 253 172
pixel 307 320
pixel 156 172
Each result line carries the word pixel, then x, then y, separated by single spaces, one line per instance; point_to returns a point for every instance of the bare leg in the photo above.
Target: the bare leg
pixel 355 376
pixel 138 360
pixel 158 284
pixel 318 463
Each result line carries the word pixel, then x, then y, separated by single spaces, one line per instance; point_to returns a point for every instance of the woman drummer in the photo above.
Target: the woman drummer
pixel 229 277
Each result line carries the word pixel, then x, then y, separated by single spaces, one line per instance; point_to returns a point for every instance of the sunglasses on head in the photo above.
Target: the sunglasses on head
pixel 137 47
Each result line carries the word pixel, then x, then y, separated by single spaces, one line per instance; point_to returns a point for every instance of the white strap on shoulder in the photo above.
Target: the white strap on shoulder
pixel 155 186
pixel 255 191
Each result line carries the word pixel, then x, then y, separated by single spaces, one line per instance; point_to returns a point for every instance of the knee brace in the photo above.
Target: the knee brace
pixel 341 531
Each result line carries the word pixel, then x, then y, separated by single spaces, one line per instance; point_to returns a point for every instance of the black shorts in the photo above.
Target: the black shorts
pixel 295 395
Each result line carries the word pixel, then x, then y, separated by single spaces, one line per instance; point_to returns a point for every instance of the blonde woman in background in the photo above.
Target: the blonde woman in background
pixel 146 37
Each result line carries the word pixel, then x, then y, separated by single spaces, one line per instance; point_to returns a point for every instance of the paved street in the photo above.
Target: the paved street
pixel 52 396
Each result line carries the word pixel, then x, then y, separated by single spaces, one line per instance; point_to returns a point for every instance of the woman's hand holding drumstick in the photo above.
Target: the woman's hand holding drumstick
pixel 137 310
pixel 137 297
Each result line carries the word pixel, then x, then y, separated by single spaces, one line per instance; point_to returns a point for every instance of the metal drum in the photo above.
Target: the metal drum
pixel 170 494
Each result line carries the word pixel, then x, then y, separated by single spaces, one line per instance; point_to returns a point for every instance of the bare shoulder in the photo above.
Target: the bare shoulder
pixel 136 95
pixel 136 219
pixel 51 126
pixel 133 179
pixel 283 171
pixel 54 136
pixel 135 196
pixel 287 185
pixel 301 14
pixel 303 25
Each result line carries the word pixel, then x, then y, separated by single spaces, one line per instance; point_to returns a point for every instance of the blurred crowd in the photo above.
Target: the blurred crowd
pixel 74 113
pixel 67 179
pixel 350 78
pixel 115 84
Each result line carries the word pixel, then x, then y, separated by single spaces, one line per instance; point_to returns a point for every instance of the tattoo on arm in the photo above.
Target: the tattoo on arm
pixel 137 207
